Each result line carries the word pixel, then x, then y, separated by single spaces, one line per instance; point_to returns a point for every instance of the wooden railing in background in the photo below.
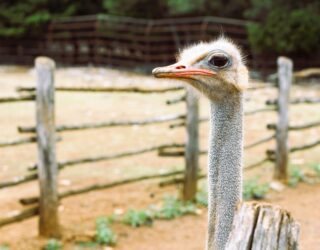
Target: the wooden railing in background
pixel 131 42
pixel 46 168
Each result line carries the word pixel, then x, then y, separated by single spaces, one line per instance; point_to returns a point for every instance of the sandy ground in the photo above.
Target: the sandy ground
pixel 78 213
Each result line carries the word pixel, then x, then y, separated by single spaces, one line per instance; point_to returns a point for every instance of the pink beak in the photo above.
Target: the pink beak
pixel 178 70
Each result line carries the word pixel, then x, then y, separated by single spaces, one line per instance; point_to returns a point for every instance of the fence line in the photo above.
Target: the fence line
pixel 297 127
pixel 33 211
pixel 154 120
pixel 64 164
pixel 297 148
pixel 15 142
pixel 301 100
pixel 108 40
pixel 19 180
pixel 108 89
pixel 176 100
pixel 190 150
pixel 35 199
pixel 17 98
pixel 22 141
pixel 281 154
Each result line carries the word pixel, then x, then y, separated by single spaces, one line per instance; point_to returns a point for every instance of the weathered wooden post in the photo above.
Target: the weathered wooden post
pixel 47 165
pixel 192 147
pixel 282 150
pixel 263 226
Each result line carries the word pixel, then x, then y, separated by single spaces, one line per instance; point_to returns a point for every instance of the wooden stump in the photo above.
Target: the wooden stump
pixel 263 227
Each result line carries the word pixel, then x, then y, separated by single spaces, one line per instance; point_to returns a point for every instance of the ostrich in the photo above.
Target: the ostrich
pixel 217 70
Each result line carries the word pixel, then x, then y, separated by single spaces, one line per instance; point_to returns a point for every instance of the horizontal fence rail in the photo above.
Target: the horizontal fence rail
pixel 155 120
pixel 297 127
pixel 17 98
pixel 302 100
pixel 109 89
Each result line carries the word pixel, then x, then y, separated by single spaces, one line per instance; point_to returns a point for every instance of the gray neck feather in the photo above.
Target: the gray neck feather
pixel 225 167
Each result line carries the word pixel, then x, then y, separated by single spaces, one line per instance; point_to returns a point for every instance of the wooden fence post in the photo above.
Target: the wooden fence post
pixel 263 226
pixel 47 165
pixel 192 147
pixel 282 151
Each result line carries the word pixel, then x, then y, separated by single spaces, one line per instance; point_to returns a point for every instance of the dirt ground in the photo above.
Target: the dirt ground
pixel 78 213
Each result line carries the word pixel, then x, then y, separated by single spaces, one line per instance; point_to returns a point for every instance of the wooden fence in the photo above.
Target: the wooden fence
pixel 280 155
pixel 47 166
pixel 131 42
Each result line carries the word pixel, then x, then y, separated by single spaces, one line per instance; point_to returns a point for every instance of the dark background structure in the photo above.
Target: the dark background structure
pixel 74 33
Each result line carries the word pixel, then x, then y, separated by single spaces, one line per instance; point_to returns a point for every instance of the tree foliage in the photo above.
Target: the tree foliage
pixel 287 27
pixel 136 8
pixel 28 17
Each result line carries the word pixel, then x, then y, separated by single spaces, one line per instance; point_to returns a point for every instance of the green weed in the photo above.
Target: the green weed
pixel 296 176
pixel 104 234
pixel 88 245
pixel 172 208
pixel 53 244
pixel 316 169
pixel 137 218
pixel 4 247
pixel 253 190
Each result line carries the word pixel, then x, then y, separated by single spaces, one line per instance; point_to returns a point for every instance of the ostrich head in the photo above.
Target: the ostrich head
pixel 216 69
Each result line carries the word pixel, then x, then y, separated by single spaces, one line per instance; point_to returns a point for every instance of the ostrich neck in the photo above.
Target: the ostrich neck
pixel 224 170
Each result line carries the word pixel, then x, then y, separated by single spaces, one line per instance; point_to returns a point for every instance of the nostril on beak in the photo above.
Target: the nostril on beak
pixel 155 71
pixel 180 67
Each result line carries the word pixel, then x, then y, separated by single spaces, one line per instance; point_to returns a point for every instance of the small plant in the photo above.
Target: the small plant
pixel 137 218
pixel 86 245
pixel 296 176
pixel 253 190
pixel 53 244
pixel 172 208
pixel 104 234
pixel 316 169
pixel 4 247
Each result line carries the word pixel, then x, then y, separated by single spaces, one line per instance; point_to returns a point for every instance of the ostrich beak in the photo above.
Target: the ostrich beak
pixel 179 70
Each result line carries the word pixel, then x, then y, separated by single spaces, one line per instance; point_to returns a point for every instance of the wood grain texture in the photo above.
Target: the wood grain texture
pixel 282 148
pixel 263 227
pixel 47 165
pixel 192 147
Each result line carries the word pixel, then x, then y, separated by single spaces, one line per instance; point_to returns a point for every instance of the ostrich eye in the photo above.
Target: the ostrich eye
pixel 219 60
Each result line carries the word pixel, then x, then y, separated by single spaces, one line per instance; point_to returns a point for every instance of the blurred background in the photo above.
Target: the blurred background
pixel 121 133
pixel 129 33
